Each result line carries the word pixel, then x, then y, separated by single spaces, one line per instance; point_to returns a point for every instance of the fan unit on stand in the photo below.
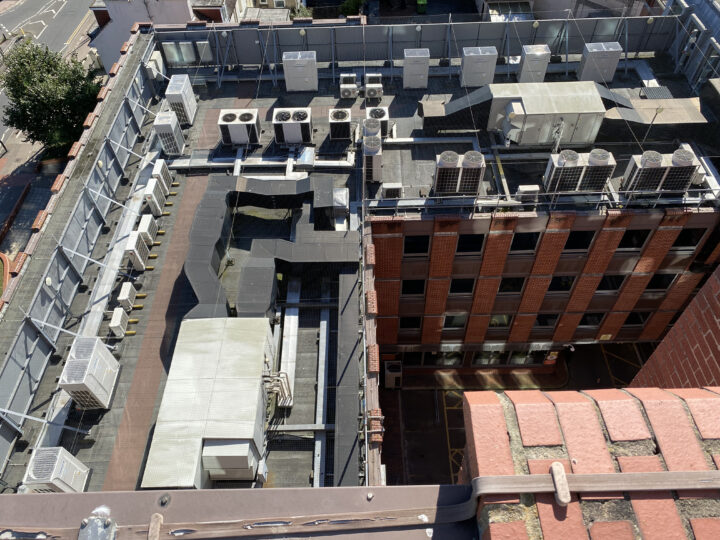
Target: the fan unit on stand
pixel 382 115
pixel 348 86
pixel 340 124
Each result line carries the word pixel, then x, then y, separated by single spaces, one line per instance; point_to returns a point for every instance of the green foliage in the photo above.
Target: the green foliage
pixel 49 97
pixel 301 11
pixel 351 7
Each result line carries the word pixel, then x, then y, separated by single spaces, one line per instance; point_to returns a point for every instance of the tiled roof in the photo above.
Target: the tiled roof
pixel 592 432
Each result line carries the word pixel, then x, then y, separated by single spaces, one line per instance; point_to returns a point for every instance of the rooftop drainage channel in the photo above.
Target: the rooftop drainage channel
pixel 322 380
pixel 290 335
pixel 224 163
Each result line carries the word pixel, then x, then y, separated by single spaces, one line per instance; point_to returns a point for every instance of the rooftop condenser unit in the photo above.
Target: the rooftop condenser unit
pixel 161 173
pixel 154 197
pixel 373 86
pixel 447 173
pixel 339 124
pixel 180 97
pixel 119 322
pixel 645 172
pixel 383 115
pixel 300 70
pixel 372 159
pixel 478 66
pixel 55 470
pixel 348 86
pixel 599 62
pixel 472 172
pixel 137 251
pixel 90 373
pixel 239 126
pixel 416 68
pixel 127 295
pixel 533 63
pixel 563 172
pixel 168 130
pixel 600 168
pixel 293 126
pixel 147 228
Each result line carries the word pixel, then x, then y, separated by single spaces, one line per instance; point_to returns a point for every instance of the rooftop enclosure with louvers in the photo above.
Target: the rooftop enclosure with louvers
pixel 654 172
pixel 90 373
pixel 570 171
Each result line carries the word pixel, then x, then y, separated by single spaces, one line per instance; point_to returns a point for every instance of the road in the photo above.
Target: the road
pixel 50 22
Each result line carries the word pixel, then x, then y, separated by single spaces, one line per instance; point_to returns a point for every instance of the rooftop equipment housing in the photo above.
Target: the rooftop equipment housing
pixel 293 126
pixel 472 173
pixel 416 68
pixel 383 115
pixel 154 197
pixel 148 229
pixel 533 63
pixel 447 173
pixel 372 158
pixel 300 69
pixel 127 295
pixel 55 470
pixel 569 171
pixel 168 129
pixel 348 86
pixel 340 123
pixel 180 97
pixel 90 373
pixel 599 61
pixel 119 322
pixel 239 126
pixel 161 173
pixel 137 251
pixel 654 172
pixel 477 67
pixel 373 86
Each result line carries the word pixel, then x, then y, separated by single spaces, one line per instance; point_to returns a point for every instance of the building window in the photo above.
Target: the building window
pixel 413 286
pixel 412 358
pixel 462 286
pixel 511 285
pixel 634 239
pixel 579 240
pixel 546 320
pixel 525 241
pixel 470 243
pixel 561 283
pixel 591 319
pixel 637 318
pixel 455 322
pixel 489 358
pixel 454 358
pixel 689 238
pixel 500 321
pixel 416 245
pixel 410 323
pixel 660 282
pixel 611 283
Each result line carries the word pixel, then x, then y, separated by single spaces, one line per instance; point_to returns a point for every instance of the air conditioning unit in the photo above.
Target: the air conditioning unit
pixel 372 78
pixel 447 173
pixel 168 129
pixel 155 67
pixel 533 63
pixel 161 173
pixel 393 375
pixel 293 126
pixel 239 126
pixel 340 128
pixel 682 171
pixel 371 127
pixel 90 373
pixel 527 194
pixel 599 62
pixel 348 86
pixel 137 251
pixel 563 172
pixel 645 172
pixel 600 168
pixel 55 470
pixel 382 114
pixel 154 197
pixel 373 85
pixel 147 229
pixel 372 159
pixel 180 97
pixel 119 322
pixel 416 68
pixel 300 70
pixel 472 173
pixel 126 296
pixel 477 67
pixel 392 190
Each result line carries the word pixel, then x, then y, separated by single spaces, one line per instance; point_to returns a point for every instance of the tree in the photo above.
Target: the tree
pixel 351 7
pixel 49 97
pixel 301 11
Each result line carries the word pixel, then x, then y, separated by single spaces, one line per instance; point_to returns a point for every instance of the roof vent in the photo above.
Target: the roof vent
pixel 473 159
pixel 448 159
pixel 372 143
pixel 378 113
pixel 246 117
pixel 651 159
pixel 339 114
pixel 568 158
pixel 598 156
pixel 229 117
pixel 299 116
pixel 682 158
pixel 282 116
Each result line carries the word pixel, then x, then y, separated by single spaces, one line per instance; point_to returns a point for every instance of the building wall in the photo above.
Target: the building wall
pixel 418 293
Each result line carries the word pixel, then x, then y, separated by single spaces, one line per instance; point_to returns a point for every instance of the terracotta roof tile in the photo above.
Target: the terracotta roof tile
pixel 621 414
pixel 536 417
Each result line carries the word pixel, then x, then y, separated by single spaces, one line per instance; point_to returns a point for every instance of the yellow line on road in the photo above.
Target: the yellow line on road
pixel 77 28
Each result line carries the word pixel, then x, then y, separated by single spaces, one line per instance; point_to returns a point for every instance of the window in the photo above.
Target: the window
pixel 279 3
pixel 410 323
pixel 546 320
pixel 579 240
pixel 489 358
pixel 413 286
pixel 660 282
pixel 591 319
pixel 689 238
pixel 511 285
pixel 454 358
pixel 637 318
pixel 462 286
pixel 470 243
pixel 500 321
pixel 416 245
pixel 455 322
pixel 561 283
pixel 412 358
pixel 524 241
pixel 634 239
pixel 611 283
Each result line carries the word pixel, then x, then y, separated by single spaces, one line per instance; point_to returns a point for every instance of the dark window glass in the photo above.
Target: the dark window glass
pixel 637 318
pixel 660 282
pixel 511 284
pixel 524 241
pixel 461 286
pixel 546 320
pixel 470 243
pixel 500 321
pixel 415 245
pixel 591 319
pixel 579 240
pixel 408 323
pixel 412 358
pixel 689 238
pixel 443 358
pixel 413 286
pixel 561 283
pixel 489 358
pixel 634 239
pixel 454 322
pixel 610 283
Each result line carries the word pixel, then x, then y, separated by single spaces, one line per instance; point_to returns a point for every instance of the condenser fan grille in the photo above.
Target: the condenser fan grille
pixel 339 115
pixel 282 116
pixel 299 116
pixel 377 113
pixel 230 117
pixel 246 117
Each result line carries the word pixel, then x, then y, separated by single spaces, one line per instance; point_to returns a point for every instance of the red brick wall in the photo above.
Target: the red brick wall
pixel 689 355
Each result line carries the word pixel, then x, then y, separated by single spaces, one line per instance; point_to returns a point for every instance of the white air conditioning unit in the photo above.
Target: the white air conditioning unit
pixel 383 115
pixel 137 251
pixel 55 470
pixel 563 172
pixel 119 322
pixel 180 97
pixel 392 190
pixel 90 373
pixel 147 229
pixel 372 159
pixel 168 129
pixel 371 127
pixel 447 173
pixel 340 124
pixel 393 375
pixel 126 296
pixel 527 194
pixel 645 172
pixel 599 62
pixel 477 67
pixel 373 91
pixel 533 63
pixel 416 68
pixel 161 173
pixel 154 197
pixel 155 67
pixel 372 78
pixel 348 86
pixel 293 126
pixel 300 70
pixel 472 167
pixel 600 168
pixel 239 126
